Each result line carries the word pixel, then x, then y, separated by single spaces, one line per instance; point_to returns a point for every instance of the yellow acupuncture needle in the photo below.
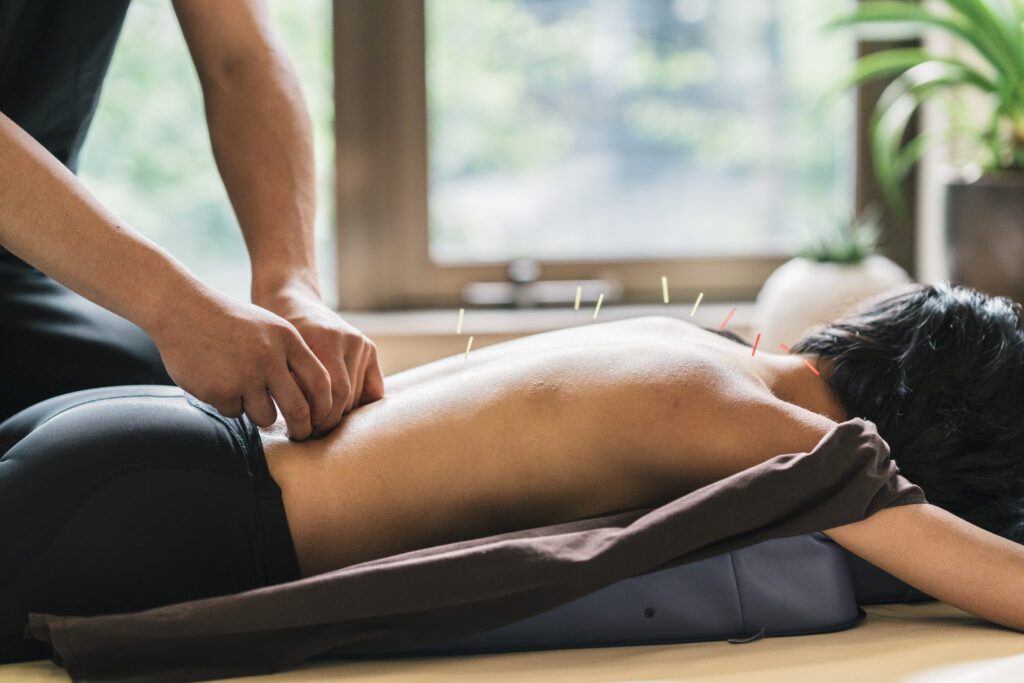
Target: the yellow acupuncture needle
pixel 458 328
pixel 597 308
pixel 696 304
pixel 579 291
pixel 469 345
pixel 664 288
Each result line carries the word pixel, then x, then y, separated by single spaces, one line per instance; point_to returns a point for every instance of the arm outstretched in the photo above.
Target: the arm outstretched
pixel 946 557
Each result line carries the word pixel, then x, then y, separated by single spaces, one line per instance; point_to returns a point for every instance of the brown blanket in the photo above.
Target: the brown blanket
pixel 461 588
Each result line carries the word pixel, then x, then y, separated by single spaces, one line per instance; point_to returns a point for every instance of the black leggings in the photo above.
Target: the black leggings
pixel 125 498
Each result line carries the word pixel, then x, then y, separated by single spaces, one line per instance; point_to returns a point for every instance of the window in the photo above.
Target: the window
pixel 148 158
pixel 613 139
pixel 617 139
pixel 588 129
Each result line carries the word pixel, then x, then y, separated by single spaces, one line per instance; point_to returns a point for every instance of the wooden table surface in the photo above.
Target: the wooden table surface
pixel 921 643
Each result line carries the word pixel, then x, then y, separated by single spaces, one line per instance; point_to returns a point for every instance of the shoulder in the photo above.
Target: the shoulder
pixel 736 423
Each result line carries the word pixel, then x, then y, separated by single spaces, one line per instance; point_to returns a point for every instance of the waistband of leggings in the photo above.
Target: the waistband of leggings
pixel 280 558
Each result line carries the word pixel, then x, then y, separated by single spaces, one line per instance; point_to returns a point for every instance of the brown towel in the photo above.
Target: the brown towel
pixel 453 590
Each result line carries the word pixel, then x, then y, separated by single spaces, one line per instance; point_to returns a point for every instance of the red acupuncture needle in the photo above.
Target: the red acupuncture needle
pixel 727 318
pixel 756 342
pixel 806 362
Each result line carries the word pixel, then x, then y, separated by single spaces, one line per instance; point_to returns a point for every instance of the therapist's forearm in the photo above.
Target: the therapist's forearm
pixel 262 140
pixel 50 220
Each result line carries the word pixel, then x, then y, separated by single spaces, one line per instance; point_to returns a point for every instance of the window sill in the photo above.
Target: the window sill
pixel 517 322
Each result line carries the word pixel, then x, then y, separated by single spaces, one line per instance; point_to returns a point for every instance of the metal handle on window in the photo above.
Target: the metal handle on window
pixel 525 289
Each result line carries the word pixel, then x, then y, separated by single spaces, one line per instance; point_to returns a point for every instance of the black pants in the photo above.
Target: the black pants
pixel 121 498
pixel 53 341
pixel 125 498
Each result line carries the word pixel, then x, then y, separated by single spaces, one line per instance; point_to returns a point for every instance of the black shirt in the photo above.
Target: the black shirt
pixel 54 55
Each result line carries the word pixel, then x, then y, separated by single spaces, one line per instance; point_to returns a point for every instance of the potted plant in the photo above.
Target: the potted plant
pixel 985 213
pixel 834 271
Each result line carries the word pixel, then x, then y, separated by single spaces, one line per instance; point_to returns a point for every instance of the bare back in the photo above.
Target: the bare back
pixel 535 431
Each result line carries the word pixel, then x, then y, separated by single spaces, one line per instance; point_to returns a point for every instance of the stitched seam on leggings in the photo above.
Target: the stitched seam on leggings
pixel 105 480
pixel 229 423
pixel 241 439
pixel 85 403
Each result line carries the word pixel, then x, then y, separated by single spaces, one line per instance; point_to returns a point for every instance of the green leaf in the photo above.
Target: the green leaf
pixel 898 60
pixel 997 31
pixel 892 114
pixel 902 12
pixel 845 241
pixel 914 149
pixel 887 127
pixel 994 28
pixel 1017 16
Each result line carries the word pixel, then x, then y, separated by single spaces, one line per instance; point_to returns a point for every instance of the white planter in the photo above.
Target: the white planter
pixel 801 294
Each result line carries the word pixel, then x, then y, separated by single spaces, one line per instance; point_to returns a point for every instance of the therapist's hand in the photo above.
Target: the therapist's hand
pixel 237 357
pixel 349 356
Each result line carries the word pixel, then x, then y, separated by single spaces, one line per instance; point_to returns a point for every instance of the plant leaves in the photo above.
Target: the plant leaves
pixel 901 12
pixel 898 60
pixel 997 31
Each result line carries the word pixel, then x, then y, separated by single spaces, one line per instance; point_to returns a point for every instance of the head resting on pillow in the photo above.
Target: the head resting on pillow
pixel 939 369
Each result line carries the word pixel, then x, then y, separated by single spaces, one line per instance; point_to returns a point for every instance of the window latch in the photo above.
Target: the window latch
pixel 524 288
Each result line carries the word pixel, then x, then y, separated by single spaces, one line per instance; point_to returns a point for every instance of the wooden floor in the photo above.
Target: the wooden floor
pixel 923 643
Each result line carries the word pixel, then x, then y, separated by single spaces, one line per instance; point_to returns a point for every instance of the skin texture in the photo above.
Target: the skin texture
pixel 561 426
pixel 543 429
pixel 287 347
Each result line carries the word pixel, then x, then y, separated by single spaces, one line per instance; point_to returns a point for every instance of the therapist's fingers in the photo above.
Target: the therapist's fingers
pixel 357 375
pixel 292 402
pixel 340 391
pixel 373 380
pixel 312 377
pixel 352 364
pixel 230 407
pixel 259 407
pixel 357 391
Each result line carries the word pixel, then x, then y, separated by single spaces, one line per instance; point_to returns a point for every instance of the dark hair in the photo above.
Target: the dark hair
pixel 728 334
pixel 939 369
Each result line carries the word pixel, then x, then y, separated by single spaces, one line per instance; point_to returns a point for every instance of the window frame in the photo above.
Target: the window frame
pixel 381 200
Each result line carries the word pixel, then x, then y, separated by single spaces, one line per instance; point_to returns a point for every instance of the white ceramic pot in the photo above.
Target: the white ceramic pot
pixel 802 293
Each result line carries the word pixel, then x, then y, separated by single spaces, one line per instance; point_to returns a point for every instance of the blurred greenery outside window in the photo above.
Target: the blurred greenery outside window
pixel 596 129
pixel 148 157
pixel 558 129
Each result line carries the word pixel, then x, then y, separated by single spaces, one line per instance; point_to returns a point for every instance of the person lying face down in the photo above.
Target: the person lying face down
pixel 630 414
pixel 548 428
pixel 939 369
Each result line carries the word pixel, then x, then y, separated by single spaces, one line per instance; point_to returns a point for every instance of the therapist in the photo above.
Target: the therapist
pixel 126 312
